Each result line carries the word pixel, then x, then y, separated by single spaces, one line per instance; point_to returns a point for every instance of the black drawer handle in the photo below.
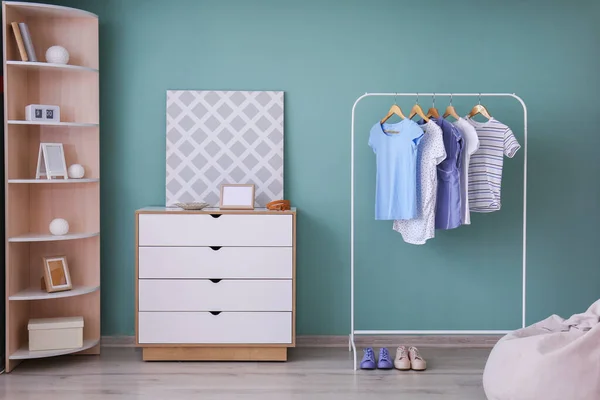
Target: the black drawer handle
pixel 215 215
pixel 215 248
pixel 215 312
pixel 215 280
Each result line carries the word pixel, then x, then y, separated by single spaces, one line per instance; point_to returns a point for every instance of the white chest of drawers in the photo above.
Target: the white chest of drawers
pixel 215 284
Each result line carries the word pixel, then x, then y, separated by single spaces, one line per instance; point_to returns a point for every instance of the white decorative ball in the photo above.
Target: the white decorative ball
pixel 76 171
pixel 57 55
pixel 59 227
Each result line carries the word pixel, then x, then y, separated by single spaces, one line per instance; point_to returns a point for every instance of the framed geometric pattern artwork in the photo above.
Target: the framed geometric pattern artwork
pixel 224 137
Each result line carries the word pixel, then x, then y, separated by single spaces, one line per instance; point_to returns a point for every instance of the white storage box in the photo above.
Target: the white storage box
pixel 55 333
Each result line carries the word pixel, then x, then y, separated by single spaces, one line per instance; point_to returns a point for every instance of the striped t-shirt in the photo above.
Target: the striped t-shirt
pixel 485 168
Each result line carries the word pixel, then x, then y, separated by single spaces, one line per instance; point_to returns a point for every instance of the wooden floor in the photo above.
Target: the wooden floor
pixel 310 373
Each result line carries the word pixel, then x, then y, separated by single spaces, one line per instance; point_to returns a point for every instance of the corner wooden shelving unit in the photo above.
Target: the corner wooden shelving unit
pixel 31 204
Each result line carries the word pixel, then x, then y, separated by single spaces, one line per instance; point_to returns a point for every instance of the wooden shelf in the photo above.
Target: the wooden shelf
pixel 54 181
pixel 48 10
pixel 38 66
pixel 24 354
pixel 31 204
pixel 39 294
pixel 41 123
pixel 46 237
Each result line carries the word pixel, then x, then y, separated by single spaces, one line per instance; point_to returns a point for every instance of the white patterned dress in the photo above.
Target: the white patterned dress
pixel 431 152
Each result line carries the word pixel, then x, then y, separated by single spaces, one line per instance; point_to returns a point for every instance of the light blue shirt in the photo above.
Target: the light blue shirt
pixel 396 159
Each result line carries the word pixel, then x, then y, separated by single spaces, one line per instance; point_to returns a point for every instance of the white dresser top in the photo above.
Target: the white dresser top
pixel 209 210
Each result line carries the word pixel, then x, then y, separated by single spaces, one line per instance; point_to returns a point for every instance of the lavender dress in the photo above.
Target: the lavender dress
pixel 447 212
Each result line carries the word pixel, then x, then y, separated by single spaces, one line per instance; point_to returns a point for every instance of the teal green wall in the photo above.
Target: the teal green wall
pixel 324 54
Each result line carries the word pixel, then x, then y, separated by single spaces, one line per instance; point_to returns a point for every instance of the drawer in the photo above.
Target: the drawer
pixel 206 230
pixel 223 262
pixel 224 328
pixel 206 295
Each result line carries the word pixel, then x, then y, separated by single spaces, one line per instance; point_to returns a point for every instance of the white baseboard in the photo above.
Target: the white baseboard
pixel 397 340
pixel 361 341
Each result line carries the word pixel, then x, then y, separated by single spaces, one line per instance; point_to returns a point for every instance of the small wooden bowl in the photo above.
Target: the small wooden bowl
pixel 192 206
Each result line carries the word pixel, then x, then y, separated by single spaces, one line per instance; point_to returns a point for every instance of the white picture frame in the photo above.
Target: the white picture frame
pixel 237 197
pixel 51 161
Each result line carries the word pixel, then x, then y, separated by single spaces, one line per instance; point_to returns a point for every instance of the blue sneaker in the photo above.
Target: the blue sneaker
pixel 368 361
pixel 384 359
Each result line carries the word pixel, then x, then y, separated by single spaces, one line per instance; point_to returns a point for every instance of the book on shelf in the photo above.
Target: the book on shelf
pixel 27 41
pixel 19 39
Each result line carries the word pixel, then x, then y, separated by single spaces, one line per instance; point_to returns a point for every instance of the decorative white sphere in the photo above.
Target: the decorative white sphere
pixel 59 227
pixel 76 171
pixel 57 55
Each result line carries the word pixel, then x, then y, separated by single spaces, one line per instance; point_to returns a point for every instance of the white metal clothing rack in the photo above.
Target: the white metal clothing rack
pixel 354 332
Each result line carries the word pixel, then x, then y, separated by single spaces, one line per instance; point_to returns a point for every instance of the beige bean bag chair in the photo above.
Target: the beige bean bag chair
pixel 555 359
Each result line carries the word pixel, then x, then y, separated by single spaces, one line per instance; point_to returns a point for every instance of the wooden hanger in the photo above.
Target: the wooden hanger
pixel 417 110
pixel 480 109
pixel 394 110
pixel 450 110
pixel 433 112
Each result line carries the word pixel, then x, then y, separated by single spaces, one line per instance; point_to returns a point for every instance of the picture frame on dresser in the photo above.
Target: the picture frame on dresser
pixel 206 307
pixel 237 197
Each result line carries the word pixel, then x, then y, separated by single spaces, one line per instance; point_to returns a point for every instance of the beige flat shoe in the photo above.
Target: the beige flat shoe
pixel 402 360
pixel 417 362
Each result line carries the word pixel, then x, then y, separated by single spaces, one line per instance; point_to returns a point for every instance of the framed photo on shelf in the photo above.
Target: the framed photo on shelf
pixel 51 161
pixel 56 274
pixel 237 197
